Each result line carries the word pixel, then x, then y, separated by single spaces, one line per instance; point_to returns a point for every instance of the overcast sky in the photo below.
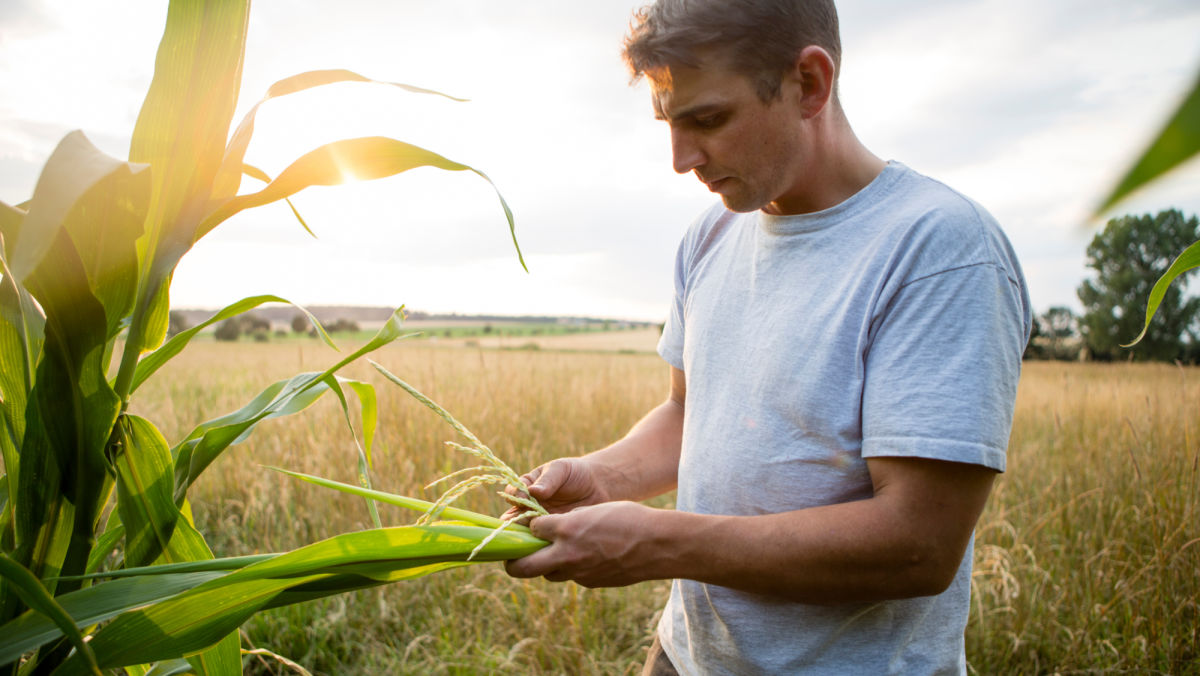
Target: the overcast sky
pixel 1031 107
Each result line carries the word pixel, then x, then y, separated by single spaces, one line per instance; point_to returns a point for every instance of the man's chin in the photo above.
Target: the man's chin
pixel 740 206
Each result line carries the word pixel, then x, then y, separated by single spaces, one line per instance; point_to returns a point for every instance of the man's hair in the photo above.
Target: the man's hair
pixel 757 38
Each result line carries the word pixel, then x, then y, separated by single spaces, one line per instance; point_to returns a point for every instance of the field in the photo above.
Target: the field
pixel 1086 558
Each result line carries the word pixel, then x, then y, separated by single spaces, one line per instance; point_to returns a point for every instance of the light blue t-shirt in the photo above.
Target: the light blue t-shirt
pixel 889 325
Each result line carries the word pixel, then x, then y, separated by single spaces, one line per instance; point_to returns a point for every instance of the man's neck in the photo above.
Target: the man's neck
pixel 840 167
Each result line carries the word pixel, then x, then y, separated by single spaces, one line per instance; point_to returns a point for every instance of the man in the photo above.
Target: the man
pixel 844 346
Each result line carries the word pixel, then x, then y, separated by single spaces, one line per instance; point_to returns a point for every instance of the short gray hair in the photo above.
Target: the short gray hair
pixel 759 38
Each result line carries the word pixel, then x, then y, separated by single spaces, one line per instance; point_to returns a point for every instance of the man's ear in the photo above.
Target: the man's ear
pixel 814 71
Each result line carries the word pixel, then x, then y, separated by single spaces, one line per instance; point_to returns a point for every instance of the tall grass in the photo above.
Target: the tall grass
pixel 1088 555
pixel 1086 558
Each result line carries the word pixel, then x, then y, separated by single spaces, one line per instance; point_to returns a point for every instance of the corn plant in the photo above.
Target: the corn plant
pixel 90 488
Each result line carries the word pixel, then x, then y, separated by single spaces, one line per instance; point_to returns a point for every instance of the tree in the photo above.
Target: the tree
pixel 299 323
pixel 228 330
pixel 343 325
pixel 176 323
pixel 1059 327
pixel 1035 347
pixel 1129 255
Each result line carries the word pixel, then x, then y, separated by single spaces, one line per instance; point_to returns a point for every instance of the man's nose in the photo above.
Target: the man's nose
pixel 686 154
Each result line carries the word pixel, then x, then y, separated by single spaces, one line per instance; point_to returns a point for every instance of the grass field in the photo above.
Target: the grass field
pixel 1086 558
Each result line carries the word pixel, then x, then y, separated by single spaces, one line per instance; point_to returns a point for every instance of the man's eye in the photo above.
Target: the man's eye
pixel 709 121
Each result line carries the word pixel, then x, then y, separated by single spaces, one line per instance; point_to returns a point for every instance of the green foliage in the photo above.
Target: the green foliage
pixel 1127 257
pixel 85 273
pixel 1177 142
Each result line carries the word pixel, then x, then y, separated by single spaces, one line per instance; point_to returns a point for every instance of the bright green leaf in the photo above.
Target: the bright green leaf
pixel 1188 260
pixel 30 589
pixel 1178 141
pixel 155 360
pixel 227 182
pixel 341 161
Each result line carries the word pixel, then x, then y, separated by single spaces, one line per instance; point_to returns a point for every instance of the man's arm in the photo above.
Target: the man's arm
pixel 642 464
pixel 907 540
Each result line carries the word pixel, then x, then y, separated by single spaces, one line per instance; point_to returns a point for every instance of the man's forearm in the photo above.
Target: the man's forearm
pixel 836 554
pixel 907 540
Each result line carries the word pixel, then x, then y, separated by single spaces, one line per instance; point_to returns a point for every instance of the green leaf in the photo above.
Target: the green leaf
pixel 351 159
pixel 155 360
pixel 75 169
pixel 181 132
pixel 193 619
pixel 145 490
pixel 453 513
pixel 255 172
pixel 70 417
pixel 366 398
pixel 22 332
pixel 227 182
pixel 1178 141
pixel 30 589
pixel 1188 260
pixel 284 397
pixel 10 221
pixel 156 530
pixel 95 604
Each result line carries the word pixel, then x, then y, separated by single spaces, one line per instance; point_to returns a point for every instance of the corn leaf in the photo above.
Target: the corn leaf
pixel 11 218
pixel 255 172
pixel 1188 260
pixel 156 530
pixel 75 168
pixel 22 329
pixel 181 132
pixel 1178 141
pixel 367 404
pixel 168 668
pixel 191 620
pixel 106 544
pixel 70 416
pixel 334 163
pixel 155 360
pixel 227 181
pixel 145 490
pixel 30 589
pixel 452 513
pixel 284 397
pixel 95 604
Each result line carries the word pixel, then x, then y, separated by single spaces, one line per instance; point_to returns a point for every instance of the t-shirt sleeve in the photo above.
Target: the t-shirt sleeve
pixel 670 344
pixel 942 368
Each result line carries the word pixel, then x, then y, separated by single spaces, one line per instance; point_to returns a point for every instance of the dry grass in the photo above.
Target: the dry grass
pixel 633 340
pixel 1088 553
pixel 1086 559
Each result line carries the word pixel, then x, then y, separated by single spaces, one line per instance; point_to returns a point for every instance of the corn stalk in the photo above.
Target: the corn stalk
pixel 85 273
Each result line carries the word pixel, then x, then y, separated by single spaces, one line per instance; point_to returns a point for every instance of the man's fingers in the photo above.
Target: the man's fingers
pixel 542 561
pixel 549 478
pixel 545 527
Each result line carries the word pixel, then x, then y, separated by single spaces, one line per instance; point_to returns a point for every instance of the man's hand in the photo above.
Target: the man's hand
pixel 560 486
pixel 596 546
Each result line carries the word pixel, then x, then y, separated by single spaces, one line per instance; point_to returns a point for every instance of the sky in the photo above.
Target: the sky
pixel 1033 108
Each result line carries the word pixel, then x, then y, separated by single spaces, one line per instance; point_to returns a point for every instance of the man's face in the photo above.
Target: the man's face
pixel 747 151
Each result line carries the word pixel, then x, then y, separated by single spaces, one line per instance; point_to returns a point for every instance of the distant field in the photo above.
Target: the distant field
pixel 1086 557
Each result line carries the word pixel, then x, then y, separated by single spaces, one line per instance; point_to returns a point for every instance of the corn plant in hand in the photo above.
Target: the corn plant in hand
pixel 90 488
